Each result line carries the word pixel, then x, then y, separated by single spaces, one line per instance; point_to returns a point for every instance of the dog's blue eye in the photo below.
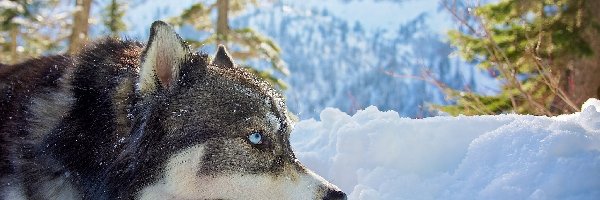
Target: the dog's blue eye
pixel 255 138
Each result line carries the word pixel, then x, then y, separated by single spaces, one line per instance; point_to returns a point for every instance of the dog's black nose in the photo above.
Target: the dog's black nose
pixel 335 195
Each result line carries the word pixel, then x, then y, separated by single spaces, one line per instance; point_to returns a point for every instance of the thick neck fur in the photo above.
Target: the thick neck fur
pixel 109 124
pixel 96 126
pixel 89 137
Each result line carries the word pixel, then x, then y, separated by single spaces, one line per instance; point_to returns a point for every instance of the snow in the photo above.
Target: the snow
pixel 379 155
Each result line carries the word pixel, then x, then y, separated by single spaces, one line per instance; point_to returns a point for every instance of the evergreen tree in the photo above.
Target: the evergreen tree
pixel 537 48
pixel 113 17
pixel 244 43
pixel 30 28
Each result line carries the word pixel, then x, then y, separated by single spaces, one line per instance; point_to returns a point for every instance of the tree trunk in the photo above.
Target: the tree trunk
pixel 80 25
pixel 582 79
pixel 112 23
pixel 585 76
pixel 14 33
pixel 222 21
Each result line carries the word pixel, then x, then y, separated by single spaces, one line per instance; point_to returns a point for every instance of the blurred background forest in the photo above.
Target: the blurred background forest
pixel 418 57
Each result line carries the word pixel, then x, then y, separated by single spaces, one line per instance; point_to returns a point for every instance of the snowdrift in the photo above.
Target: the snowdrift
pixel 378 155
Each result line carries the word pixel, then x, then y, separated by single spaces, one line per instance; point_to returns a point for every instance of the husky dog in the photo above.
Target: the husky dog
pixel 121 120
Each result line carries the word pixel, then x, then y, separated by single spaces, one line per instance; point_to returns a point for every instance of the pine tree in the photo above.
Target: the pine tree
pixel 113 17
pixel 537 48
pixel 244 43
pixel 30 28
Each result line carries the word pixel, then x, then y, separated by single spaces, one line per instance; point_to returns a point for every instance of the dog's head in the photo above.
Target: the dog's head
pixel 219 131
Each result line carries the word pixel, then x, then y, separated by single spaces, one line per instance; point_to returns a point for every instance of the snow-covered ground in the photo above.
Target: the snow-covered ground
pixel 378 155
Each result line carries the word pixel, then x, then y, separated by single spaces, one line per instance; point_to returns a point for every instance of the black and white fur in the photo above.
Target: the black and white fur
pixel 121 120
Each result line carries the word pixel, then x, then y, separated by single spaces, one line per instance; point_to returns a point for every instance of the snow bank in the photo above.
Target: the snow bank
pixel 378 155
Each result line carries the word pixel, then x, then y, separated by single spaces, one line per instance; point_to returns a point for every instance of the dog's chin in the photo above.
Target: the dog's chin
pixel 181 181
pixel 235 187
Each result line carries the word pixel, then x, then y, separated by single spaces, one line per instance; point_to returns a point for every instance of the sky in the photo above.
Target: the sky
pixel 384 14
pixel 372 15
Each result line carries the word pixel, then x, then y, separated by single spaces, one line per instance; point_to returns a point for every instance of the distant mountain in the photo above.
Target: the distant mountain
pixel 337 62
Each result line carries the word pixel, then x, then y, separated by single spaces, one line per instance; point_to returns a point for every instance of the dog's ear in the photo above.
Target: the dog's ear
pixel 222 58
pixel 164 53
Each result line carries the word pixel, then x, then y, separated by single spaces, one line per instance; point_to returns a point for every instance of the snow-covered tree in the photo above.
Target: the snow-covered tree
pixel 244 43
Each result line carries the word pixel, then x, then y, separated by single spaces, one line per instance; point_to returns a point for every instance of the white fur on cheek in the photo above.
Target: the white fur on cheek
pixel 181 181
pixel 180 175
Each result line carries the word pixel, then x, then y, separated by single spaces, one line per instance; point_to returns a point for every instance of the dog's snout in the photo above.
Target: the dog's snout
pixel 335 195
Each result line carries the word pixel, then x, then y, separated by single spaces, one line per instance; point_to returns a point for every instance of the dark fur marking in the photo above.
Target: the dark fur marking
pixel 18 85
pixel 222 58
pixel 86 143
pixel 115 141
